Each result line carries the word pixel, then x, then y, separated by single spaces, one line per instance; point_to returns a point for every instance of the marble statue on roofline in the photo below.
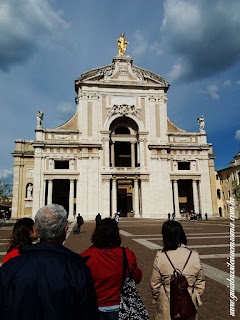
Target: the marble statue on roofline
pixel 201 123
pixel 39 119
pixel 122 44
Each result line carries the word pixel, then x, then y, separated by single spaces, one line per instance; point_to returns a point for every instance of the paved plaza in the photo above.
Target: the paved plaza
pixel 209 238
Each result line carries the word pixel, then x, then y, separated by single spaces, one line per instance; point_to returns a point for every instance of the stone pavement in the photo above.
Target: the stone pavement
pixel 143 237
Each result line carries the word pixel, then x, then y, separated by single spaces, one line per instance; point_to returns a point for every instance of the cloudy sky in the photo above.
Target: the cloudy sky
pixel 194 44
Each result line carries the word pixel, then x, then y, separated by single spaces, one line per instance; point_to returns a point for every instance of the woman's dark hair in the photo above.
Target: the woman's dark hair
pixel 106 234
pixel 21 233
pixel 173 235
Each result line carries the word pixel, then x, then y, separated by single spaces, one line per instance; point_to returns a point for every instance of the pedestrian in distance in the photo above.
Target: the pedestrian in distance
pixel 175 256
pixel 106 263
pixel 48 281
pixel 24 232
pixel 98 218
pixel 80 222
pixel 169 216
pixel 173 216
pixel 206 216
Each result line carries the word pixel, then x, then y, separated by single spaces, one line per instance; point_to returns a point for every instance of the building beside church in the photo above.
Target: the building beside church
pixel 226 177
pixel 118 153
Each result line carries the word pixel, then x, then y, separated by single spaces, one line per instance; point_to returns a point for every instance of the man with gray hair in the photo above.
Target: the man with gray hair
pixel 47 281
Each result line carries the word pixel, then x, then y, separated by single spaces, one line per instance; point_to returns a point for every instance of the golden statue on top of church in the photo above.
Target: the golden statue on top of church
pixel 122 44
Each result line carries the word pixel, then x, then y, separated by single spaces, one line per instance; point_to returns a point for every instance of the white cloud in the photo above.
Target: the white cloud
pixel 4 174
pixel 238 82
pixel 212 90
pixel 156 47
pixel 203 34
pixel 177 71
pixel 7 176
pixel 237 135
pixel 65 111
pixel 139 44
pixel 24 25
pixel 227 83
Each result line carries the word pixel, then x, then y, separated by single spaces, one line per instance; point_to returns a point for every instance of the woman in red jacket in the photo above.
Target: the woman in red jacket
pixel 24 232
pixel 106 264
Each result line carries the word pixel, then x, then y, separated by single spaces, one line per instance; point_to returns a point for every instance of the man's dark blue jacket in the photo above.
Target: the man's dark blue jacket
pixel 47 282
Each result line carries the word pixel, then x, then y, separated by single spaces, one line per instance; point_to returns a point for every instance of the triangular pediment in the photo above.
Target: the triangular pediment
pixel 123 71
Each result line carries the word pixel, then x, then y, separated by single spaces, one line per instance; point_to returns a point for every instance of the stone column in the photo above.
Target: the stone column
pixel 44 193
pixel 142 158
pixel 112 155
pixel 136 199
pixel 78 204
pixel 176 200
pixel 114 196
pixel 37 180
pixel 163 118
pixel 50 192
pixel 133 154
pixel 16 189
pixel 71 201
pixel 195 196
pixel 107 153
pixel 138 153
pixel 200 197
pixel 106 198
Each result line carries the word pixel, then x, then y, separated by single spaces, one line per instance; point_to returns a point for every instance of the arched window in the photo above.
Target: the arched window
pixel 218 194
pixel 124 143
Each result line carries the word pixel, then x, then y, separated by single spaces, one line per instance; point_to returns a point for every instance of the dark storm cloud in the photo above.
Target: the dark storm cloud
pixel 23 25
pixel 204 35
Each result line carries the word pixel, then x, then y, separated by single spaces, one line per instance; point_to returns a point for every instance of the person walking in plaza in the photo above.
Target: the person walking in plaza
pixel 48 281
pixel 80 222
pixel 106 263
pixel 175 250
pixel 24 232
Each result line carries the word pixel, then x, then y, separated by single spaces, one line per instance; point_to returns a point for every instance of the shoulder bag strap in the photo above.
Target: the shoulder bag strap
pixel 170 260
pixel 184 264
pixel 187 260
pixel 125 267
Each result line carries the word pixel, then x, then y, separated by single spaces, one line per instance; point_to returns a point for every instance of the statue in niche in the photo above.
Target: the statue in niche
pixel 122 44
pixel 39 119
pixel 29 191
pixel 201 123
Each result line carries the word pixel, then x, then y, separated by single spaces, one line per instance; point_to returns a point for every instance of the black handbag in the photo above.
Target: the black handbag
pixel 131 305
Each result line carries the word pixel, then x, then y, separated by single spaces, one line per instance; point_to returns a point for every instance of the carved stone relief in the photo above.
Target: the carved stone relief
pixel 158 97
pixel 62 137
pixel 182 139
pixel 123 110
pixel 29 173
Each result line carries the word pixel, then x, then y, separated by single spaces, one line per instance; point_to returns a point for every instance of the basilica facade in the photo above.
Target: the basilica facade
pixel 118 153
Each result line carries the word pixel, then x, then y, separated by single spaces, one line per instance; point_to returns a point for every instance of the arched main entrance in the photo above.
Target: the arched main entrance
pixel 124 158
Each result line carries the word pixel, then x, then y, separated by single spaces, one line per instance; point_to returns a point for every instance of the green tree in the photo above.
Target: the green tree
pixel 236 190
pixel 5 192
